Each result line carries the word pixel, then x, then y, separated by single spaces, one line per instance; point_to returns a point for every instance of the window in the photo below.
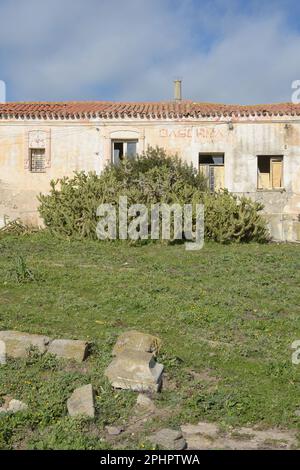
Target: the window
pixel 212 167
pixel 120 149
pixel 269 172
pixel 37 160
pixel 38 156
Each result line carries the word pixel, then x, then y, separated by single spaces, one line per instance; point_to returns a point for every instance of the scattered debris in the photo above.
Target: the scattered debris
pixel 18 344
pixel 137 341
pixel 209 436
pixel 13 406
pixel 134 366
pixel 135 370
pixel 168 439
pixel 81 402
pixel 114 430
pixel 69 349
pixel 15 227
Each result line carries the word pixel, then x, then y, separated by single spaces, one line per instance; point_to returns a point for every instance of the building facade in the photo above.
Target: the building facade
pixel 251 150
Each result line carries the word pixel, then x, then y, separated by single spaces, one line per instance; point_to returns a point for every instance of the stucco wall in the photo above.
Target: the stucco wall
pixel 86 145
pixel 72 147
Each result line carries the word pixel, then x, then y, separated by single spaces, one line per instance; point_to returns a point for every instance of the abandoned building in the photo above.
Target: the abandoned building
pixel 251 150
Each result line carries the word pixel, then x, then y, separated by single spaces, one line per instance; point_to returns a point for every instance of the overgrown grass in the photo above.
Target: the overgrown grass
pixel 230 312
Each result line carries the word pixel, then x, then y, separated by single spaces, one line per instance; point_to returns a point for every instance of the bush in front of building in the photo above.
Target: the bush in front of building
pixel 153 177
pixel 231 218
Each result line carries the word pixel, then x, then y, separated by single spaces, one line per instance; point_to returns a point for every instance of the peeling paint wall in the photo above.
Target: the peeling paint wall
pixel 86 145
pixel 72 147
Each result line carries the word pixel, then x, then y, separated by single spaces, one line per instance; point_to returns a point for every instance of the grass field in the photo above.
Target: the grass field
pixel 227 316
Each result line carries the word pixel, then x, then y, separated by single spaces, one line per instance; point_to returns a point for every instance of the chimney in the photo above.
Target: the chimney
pixel 177 90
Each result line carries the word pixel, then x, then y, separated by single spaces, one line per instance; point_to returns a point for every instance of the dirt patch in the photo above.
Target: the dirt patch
pixel 136 425
pixel 203 376
pixel 169 383
pixel 209 436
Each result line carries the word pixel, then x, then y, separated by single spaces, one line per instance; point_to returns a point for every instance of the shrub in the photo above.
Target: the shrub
pixel 231 218
pixel 70 208
pixel 153 177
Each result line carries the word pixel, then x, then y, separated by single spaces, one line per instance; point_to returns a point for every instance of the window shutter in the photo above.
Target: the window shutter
pixel 276 172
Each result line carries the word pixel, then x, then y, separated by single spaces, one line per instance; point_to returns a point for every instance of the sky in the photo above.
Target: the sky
pixel 229 51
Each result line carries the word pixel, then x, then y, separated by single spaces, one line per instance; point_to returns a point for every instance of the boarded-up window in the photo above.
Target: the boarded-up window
pixel 37 160
pixel 212 167
pixel 269 172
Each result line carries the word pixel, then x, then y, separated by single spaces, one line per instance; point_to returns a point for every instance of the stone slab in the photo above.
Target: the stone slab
pixel 69 349
pixel 81 402
pixel 17 344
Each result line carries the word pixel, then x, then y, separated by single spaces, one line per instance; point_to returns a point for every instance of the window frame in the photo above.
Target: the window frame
pixel 271 158
pixel 39 138
pixel 125 143
pixel 211 166
pixel 31 167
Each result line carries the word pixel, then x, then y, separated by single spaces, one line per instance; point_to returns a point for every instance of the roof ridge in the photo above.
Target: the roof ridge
pixel 142 109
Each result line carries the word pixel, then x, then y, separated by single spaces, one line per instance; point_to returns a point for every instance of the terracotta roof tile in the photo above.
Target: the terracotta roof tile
pixel 110 109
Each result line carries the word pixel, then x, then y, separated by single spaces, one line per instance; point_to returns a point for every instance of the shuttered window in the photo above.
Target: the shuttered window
pixel 269 172
pixel 212 167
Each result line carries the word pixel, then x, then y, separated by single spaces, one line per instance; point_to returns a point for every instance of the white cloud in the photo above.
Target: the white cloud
pixel 86 49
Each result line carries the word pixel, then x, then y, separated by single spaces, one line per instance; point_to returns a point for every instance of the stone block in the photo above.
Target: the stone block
pixel 81 402
pixel 69 349
pixel 135 370
pixel 17 343
pixel 137 341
